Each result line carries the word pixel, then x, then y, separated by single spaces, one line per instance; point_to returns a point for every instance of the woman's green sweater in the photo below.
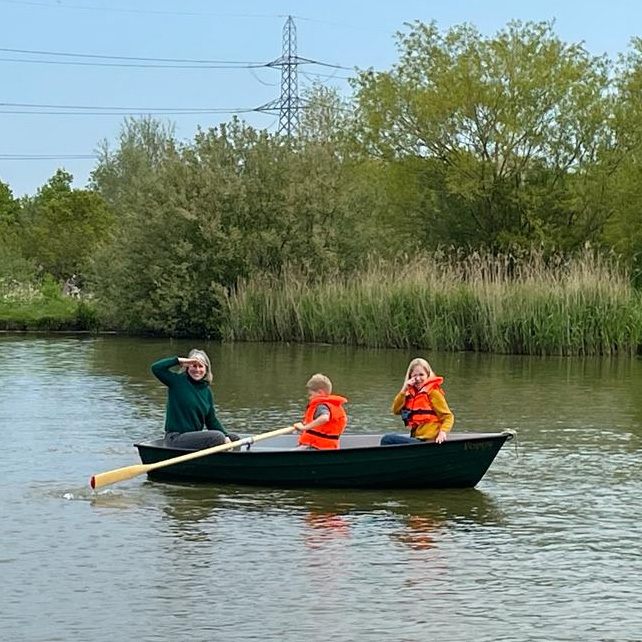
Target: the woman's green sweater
pixel 190 404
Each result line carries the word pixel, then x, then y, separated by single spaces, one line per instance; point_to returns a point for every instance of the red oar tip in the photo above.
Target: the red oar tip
pixel 92 482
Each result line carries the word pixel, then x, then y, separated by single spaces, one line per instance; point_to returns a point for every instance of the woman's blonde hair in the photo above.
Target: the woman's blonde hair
pixel 418 362
pixel 201 356
pixel 319 382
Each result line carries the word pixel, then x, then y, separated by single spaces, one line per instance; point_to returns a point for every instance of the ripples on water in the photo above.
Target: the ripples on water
pixel 547 547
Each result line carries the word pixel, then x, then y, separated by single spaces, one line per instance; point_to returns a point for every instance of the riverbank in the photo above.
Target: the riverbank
pixel 579 306
pixel 49 316
pixel 26 307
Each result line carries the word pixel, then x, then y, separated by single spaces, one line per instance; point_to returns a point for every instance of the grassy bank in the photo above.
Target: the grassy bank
pixel 28 306
pixel 525 305
pixel 520 305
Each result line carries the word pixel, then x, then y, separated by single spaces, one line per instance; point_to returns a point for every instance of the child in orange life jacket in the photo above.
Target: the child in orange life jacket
pixel 325 419
pixel 422 406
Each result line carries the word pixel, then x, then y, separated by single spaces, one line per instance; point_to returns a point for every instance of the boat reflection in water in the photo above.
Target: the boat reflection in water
pixel 412 518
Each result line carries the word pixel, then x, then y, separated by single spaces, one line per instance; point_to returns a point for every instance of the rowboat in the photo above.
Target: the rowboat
pixel 459 462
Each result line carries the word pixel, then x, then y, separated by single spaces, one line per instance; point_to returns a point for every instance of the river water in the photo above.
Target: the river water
pixel 546 548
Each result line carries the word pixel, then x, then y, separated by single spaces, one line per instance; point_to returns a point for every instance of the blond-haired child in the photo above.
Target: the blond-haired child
pixel 324 419
pixel 422 406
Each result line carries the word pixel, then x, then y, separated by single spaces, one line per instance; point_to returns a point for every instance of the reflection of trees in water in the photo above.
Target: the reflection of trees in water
pixel 129 358
pixel 576 391
pixel 122 365
pixel 487 392
pixel 258 385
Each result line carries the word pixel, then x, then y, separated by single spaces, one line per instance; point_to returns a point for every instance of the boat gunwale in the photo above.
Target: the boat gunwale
pixel 459 437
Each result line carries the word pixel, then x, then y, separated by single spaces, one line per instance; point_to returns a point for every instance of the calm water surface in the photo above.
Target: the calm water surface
pixel 546 548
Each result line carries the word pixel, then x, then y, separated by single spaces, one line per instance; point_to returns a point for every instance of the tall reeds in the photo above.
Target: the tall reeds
pixel 526 304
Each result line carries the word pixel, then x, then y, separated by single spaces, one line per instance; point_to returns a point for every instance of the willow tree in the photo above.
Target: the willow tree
pixel 492 140
pixel 126 173
pixel 624 230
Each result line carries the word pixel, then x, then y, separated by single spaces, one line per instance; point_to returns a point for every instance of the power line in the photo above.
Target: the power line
pixel 311 61
pixel 79 63
pixel 37 52
pixel 206 110
pixel 24 112
pixel 313 75
pixel 288 104
pixel 109 110
pixel 159 65
pixel 263 82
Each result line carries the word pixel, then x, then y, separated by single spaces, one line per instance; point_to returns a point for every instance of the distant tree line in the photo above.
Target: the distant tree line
pixel 469 141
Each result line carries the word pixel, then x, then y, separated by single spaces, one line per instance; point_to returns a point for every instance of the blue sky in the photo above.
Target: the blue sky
pixel 353 33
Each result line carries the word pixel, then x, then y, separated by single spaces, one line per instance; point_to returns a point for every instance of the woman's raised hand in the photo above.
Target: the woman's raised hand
pixel 185 361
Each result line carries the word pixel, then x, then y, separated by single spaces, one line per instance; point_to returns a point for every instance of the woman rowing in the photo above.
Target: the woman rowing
pixel 190 403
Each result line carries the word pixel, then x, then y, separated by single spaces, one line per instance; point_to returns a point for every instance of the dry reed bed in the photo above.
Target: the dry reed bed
pixel 505 304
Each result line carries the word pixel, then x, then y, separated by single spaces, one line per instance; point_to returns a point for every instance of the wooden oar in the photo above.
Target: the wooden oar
pixel 121 474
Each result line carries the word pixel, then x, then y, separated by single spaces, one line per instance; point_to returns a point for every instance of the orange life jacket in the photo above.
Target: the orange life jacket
pixel 417 409
pixel 326 436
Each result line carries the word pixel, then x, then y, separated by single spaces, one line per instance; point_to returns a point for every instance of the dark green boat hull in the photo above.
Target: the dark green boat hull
pixel 460 462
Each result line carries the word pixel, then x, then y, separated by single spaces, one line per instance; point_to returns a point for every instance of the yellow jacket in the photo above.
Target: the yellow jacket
pixel 429 430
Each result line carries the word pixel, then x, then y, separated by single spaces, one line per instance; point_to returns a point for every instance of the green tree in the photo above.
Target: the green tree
pixel 125 175
pixel 624 230
pixel 13 265
pixel 233 202
pixel 9 206
pixel 62 226
pixel 492 140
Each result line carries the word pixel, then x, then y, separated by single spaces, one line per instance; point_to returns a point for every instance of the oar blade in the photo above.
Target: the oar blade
pixel 117 475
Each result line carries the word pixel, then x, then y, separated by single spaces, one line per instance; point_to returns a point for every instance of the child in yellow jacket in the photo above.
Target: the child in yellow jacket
pixel 422 406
